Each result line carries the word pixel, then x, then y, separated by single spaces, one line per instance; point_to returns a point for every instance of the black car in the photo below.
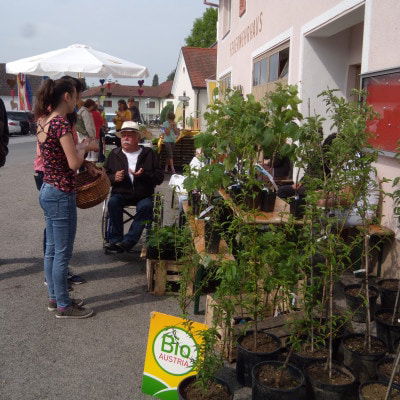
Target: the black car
pixel 25 119
pixel 111 138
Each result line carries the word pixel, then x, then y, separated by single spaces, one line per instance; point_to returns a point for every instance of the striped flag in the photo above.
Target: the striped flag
pixel 24 92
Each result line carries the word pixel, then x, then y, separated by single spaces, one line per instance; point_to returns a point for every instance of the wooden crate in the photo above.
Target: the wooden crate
pixel 228 335
pixel 161 272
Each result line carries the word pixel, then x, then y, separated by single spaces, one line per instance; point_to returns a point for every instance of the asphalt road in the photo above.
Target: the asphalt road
pixel 42 357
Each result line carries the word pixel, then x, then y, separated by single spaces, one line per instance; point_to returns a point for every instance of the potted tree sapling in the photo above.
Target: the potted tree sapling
pixel 260 261
pixel 347 191
pixel 387 319
pixel 205 385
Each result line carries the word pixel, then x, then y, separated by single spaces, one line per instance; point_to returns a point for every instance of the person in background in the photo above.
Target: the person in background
pixel 134 172
pixel 85 125
pixel 170 134
pixel 98 123
pixel 4 134
pixel 61 158
pixel 103 132
pixel 135 114
pixel 122 115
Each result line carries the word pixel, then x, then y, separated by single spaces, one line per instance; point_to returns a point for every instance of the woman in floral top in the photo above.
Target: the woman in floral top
pixel 61 158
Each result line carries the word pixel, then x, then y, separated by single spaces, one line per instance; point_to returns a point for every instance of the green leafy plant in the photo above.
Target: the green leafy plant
pixel 167 241
pixel 169 107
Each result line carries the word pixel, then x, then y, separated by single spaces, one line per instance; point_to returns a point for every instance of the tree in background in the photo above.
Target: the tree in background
pixel 155 80
pixel 171 75
pixel 169 107
pixel 204 31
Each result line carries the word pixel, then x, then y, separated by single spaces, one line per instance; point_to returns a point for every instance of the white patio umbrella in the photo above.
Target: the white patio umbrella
pixel 77 60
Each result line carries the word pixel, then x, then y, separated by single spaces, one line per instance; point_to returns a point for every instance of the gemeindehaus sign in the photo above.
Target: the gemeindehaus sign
pixel 170 354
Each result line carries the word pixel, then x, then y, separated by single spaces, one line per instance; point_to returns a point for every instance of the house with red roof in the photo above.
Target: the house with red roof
pixel 195 66
pixel 149 99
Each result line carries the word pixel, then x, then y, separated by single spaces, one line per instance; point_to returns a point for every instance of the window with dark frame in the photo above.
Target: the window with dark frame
pixel 271 66
pixel 151 104
pixel 107 103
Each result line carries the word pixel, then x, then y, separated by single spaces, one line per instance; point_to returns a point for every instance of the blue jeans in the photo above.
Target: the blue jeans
pixel 39 182
pixel 60 214
pixel 143 217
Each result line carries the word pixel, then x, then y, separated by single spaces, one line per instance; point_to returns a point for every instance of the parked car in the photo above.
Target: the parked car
pixel 110 137
pixel 110 122
pixel 25 119
pixel 13 126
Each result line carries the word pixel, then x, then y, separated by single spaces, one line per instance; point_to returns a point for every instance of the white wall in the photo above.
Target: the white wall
pixel 183 84
pixel 203 103
pixel 325 65
pixel 383 35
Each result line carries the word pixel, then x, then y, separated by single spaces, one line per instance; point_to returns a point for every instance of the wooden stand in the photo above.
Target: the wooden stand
pixel 280 215
pixel 229 333
pixel 161 272
pixel 197 230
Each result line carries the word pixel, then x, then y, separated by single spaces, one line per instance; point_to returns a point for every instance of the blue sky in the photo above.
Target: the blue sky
pixel 147 32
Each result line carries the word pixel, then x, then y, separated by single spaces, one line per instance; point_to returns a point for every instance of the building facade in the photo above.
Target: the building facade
pixel 316 45
pixel 195 66
pixel 149 99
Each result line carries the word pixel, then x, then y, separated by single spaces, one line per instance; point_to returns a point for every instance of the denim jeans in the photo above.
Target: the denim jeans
pixel 60 214
pixel 143 217
pixel 39 182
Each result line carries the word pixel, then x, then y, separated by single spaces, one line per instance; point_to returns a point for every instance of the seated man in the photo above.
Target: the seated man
pixel 134 172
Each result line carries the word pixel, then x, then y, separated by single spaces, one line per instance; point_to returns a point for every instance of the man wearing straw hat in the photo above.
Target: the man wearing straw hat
pixel 134 172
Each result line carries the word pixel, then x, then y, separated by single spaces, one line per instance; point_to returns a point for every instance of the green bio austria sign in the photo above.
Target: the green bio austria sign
pixel 170 355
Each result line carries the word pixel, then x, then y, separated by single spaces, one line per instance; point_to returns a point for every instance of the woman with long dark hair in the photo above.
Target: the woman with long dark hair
pixel 61 158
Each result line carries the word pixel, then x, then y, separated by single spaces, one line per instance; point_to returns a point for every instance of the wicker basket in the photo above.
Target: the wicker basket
pixel 90 190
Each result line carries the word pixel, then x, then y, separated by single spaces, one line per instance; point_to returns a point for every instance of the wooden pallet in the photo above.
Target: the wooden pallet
pixel 184 151
pixel 161 272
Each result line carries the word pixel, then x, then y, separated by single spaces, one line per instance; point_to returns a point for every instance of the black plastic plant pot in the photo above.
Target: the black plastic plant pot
pixel 194 200
pixel 356 303
pixel 268 198
pixel 389 293
pixel 385 330
pixel 253 201
pixel 362 364
pixel 372 382
pixel 303 362
pixel 212 237
pixel 153 253
pixel 384 376
pixel 297 208
pixel 261 392
pixel 321 390
pixel 247 359
pixel 191 379
pixel 235 191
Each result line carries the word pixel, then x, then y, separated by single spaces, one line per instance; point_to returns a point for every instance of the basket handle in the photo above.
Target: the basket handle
pixel 92 168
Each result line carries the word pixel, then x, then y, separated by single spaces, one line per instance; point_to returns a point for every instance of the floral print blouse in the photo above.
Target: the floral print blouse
pixel 56 170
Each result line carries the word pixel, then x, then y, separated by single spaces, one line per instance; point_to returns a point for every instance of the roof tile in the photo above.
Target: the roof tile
pixel 160 91
pixel 201 64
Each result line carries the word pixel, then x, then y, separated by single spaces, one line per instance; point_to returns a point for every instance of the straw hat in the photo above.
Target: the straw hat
pixel 129 126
